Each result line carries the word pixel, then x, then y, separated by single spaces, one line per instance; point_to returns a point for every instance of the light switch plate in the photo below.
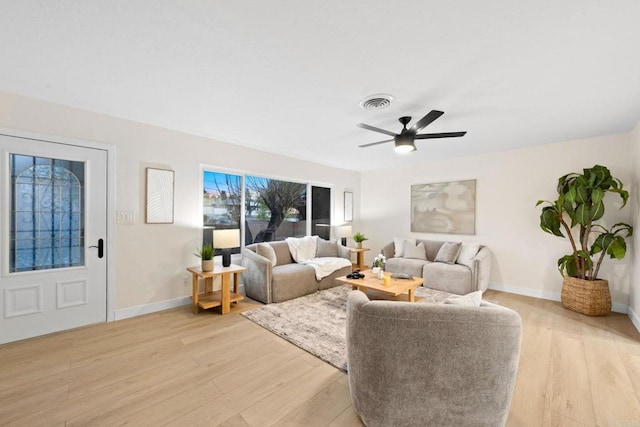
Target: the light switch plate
pixel 125 217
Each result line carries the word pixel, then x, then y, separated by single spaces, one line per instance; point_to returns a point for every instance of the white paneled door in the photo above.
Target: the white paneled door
pixel 53 230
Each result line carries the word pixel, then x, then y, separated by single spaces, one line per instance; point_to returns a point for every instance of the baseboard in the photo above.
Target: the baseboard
pixel 553 296
pixel 634 319
pixel 125 313
pixel 153 307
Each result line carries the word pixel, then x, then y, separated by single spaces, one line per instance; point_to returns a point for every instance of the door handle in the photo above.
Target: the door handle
pixel 100 248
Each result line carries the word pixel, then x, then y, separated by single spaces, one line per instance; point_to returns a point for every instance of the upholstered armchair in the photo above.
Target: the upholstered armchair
pixel 413 364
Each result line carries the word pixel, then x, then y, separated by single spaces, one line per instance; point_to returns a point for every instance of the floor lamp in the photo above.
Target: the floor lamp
pixel 226 240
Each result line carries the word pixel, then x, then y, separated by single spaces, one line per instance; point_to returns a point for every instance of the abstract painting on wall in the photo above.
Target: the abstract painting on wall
pixel 444 207
pixel 159 196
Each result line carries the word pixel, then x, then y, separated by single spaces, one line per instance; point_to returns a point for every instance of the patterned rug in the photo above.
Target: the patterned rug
pixel 317 322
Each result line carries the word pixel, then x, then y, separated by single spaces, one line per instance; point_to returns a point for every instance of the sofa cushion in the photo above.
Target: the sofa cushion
pixel 452 278
pixel 292 281
pixel 398 245
pixel 414 251
pixel 448 252
pixel 283 255
pixel 410 266
pixel 265 250
pixel 326 248
pixel 470 300
pixel 468 252
pixel 431 247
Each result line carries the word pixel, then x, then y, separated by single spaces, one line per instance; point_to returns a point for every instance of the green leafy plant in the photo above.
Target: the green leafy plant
pixel 581 203
pixel 359 237
pixel 205 252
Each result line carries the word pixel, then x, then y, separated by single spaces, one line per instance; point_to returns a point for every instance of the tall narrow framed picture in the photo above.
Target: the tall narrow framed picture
pixel 348 206
pixel 444 207
pixel 159 203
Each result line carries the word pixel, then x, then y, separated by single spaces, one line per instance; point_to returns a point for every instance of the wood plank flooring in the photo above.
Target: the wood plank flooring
pixel 175 368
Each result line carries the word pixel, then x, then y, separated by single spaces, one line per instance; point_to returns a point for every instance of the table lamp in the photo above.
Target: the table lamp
pixel 343 231
pixel 226 240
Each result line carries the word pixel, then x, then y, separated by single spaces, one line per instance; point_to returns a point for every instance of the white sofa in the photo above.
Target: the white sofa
pixel 469 272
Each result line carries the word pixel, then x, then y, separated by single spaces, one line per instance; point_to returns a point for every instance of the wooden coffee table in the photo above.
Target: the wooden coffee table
pixel 396 286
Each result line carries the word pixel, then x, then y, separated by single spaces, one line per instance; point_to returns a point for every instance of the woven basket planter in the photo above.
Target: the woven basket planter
pixel 590 297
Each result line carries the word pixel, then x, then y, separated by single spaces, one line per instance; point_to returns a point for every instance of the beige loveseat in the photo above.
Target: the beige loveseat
pixel 467 272
pixel 287 279
pixel 431 364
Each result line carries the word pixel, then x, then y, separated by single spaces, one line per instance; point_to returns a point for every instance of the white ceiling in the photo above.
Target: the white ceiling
pixel 287 76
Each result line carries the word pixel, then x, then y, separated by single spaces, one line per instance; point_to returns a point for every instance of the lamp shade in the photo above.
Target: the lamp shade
pixel 225 239
pixel 343 230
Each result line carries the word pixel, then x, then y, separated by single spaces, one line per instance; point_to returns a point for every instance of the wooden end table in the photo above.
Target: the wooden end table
pixel 394 288
pixel 359 257
pixel 210 298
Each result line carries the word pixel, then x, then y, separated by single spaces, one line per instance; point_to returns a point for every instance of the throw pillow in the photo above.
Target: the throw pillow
pixel 468 252
pixel 265 250
pixel 448 252
pixel 326 248
pixel 398 244
pixel 470 300
pixel 411 250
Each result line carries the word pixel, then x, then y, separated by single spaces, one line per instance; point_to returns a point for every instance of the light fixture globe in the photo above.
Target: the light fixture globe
pixel 404 143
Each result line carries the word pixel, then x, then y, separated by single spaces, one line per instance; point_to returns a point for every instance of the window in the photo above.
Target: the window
pixel 264 209
pixel 278 209
pixel 221 204
pixel 321 212
pixel 47 204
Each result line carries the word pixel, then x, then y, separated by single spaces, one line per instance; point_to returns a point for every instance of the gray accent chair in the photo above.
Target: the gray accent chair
pixel 431 364
pixel 455 278
pixel 288 279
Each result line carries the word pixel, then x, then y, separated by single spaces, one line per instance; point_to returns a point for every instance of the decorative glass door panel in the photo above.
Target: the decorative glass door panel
pixel 47 204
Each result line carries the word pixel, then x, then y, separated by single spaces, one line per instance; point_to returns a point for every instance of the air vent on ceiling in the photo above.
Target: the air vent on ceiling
pixel 376 102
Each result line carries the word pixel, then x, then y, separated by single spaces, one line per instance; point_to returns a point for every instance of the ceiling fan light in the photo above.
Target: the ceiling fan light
pixel 405 148
pixel 404 143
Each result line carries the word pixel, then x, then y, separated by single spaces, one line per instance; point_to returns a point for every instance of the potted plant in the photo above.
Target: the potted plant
pixel 205 253
pixel 573 216
pixel 359 238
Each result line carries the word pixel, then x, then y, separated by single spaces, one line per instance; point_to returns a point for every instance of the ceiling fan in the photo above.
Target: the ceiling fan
pixel 405 140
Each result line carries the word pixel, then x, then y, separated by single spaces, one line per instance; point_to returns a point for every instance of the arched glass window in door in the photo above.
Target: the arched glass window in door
pixel 47 213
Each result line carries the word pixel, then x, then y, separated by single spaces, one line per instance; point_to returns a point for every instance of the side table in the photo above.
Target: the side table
pixel 223 297
pixel 360 257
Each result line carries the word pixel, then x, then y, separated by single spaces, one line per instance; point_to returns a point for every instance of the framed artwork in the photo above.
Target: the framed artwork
pixel 348 206
pixel 159 206
pixel 444 207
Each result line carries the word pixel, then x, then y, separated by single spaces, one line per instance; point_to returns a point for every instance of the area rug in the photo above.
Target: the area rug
pixel 317 322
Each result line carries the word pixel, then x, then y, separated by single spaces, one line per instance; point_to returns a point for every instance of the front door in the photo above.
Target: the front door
pixel 53 227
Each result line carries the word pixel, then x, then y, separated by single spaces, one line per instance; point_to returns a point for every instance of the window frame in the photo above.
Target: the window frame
pixel 243 174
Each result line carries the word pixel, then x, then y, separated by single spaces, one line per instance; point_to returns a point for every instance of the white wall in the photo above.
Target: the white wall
pixel 151 258
pixel 634 294
pixel 508 186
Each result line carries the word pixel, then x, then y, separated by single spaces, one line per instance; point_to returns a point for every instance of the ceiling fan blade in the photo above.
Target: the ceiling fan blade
pixel 426 120
pixel 375 143
pixel 440 135
pixel 375 129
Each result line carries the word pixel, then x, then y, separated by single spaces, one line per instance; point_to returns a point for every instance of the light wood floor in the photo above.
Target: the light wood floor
pixel 177 368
